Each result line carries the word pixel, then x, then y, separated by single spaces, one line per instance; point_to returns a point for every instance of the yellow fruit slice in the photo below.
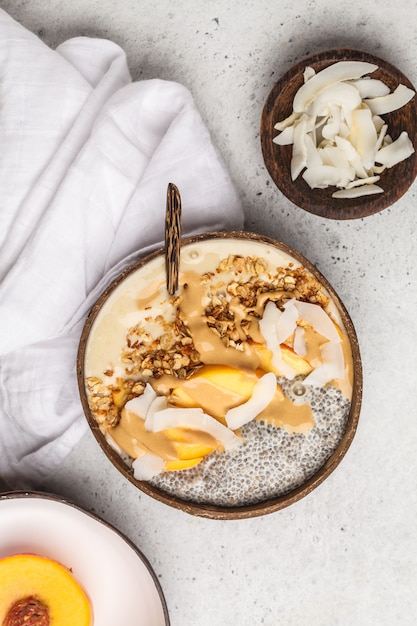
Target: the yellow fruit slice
pixel 301 365
pixel 119 398
pixel 190 444
pixel 187 451
pixel 181 398
pixel 233 380
pixel 189 439
pixel 175 464
pixel 177 434
pixel 265 355
pixel 34 585
pixel 215 389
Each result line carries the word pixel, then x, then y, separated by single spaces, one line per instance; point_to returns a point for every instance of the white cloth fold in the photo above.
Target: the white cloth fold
pixel 86 156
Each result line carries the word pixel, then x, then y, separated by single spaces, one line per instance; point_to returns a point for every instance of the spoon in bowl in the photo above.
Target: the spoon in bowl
pixel 172 237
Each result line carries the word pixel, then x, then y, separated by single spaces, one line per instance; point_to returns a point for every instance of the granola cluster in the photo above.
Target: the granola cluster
pixel 172 353
pixel 106 401
pixel 255 279
pixel 238 283
pixel 253 283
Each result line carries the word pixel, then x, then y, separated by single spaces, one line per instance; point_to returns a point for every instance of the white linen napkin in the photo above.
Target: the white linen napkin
pixel 85 159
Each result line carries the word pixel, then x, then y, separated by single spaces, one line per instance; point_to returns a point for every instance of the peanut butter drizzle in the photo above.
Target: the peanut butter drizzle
pixel 254 332
pixel 281 411
pixel 284 413
pixel 345 385
pixel 314 342
pixel 239 314
pixel 213 400
pixel 199 391
pixel 131 435
pixel 211 348
pixel 273 296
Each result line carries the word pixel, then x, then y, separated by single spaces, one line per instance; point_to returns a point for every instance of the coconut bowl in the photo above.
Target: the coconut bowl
pixel 121 301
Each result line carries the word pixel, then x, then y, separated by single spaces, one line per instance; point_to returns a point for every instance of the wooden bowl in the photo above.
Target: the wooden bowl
pixel 395 181
pixel 229 239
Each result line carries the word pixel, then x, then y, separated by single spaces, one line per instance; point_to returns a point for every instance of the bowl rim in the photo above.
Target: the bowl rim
pixel 222 512
pixel 353 208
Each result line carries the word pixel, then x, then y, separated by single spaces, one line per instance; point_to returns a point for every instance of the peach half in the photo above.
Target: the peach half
pixel 37 591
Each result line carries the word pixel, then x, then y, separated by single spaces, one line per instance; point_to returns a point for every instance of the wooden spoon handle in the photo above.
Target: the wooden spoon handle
pixel 172 237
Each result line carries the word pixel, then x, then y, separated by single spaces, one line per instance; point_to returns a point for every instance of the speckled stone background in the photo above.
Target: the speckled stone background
pixel 346 555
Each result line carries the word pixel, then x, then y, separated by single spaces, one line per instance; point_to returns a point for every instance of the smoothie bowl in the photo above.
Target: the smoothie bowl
pixel 234 397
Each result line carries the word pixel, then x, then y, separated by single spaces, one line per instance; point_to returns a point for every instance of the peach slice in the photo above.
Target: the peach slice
pixel 37 591
pixel 265 355
pixel 190 444
pixel 119 397
pixel 299 363
pixel 174 464
pixel 216 389
pixel 188 451
pixel 231 379
pixel 181 398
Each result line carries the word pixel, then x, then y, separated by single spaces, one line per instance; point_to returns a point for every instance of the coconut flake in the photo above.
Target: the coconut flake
pixel 267 326
pixel 262 394
pixel 158 404
pixel 195 419
pixel 268 322
pixel 287 321
pixel 343 70
pixel 378 122
pixel 300 345
pixel 140 405
pixel 317 317
pixel 332 358
pixel 285 138
pixel 289 121
pixel 391 102
pixel 332 354
pixel 299 153
pixel 364 137
pixel 321 176
pixel 147 466
pixel 370 87
pixel 370 180
pixel 358 182
pixel 357 192
pixel 395 152
pixel 339 94
pixel 334 124
pixel 381 136
pixel 337 157
pixel 332 367
pixel 308 73
pixel 320 376
pixel 313 156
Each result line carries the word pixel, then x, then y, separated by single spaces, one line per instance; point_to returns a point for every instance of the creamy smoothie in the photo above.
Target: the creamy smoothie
pixel 236 389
